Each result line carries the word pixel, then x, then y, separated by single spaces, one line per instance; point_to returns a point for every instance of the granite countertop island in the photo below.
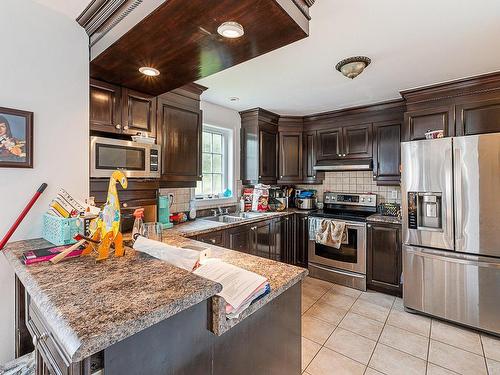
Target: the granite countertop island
pixel 90 306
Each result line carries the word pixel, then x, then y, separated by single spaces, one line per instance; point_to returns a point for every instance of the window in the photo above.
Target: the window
pixel 215 166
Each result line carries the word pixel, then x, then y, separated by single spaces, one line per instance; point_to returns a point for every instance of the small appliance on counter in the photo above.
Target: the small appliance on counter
pixel 164 203
pixel 277 199
pixel 305 199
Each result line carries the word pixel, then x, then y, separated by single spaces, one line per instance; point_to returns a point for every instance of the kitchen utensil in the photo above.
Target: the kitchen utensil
pixel 64 253
pixel 20 218
pixel 153 231
pixel 305 203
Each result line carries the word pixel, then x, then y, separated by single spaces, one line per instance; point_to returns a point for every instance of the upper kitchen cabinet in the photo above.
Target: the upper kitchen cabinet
pixel 463 107
pixel 179 123
pixel 329 144
pixel 139 113
pixel 180 38
pixel 387 152
pixel 105 107
pixel 119 110
pixel 357 141
pixel 309 174
pixel 259 146
pixel 290 150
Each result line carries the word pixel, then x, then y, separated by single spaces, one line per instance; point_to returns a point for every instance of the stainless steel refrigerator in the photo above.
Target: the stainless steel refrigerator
pixel 451 229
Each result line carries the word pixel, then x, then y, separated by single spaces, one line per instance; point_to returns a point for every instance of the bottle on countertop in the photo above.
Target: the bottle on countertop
pixel 138 228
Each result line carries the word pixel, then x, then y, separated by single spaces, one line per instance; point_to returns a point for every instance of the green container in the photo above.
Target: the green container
pixel 164 211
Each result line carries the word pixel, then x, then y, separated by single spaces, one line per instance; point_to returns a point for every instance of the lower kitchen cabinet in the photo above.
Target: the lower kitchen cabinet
pixel 301 239
pixel 213 238
pixel 239 238
pixel 384 258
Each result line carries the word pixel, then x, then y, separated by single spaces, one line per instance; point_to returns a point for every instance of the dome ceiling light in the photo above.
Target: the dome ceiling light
pixel 148 71
pixel 231 30
pixel 353 66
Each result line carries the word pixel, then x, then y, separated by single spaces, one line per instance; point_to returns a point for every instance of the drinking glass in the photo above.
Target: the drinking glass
pixel 153 231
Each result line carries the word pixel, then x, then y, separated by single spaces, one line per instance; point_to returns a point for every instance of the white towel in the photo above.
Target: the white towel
pixel 332 233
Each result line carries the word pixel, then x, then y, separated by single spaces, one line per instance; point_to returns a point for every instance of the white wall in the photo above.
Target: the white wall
pixel 43 69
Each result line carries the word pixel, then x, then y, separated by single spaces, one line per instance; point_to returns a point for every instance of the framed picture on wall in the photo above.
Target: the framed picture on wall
pixel 16 138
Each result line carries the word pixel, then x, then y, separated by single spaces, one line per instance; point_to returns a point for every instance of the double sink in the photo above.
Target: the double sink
pixel 234 217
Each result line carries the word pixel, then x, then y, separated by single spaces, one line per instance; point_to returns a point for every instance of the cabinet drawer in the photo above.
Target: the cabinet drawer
pixel 212 238
pixel 46 344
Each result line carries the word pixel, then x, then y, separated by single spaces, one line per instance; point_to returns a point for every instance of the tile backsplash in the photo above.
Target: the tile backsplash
pixel 356 182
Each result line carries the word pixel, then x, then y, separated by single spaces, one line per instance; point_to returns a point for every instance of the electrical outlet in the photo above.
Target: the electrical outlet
pixel 394 194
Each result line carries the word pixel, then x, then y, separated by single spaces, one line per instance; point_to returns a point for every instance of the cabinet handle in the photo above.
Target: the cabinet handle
pixel 125 205
pixel 369 225
pixel 339 154
pixel 281 177
pixel 118 126
pixel 253 228
pixel 42 337
pixel 212 240
pixel 343 155
pixel 125 127
pixel 260 176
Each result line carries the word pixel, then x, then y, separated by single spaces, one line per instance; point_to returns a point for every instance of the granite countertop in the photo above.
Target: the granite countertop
pixel 90 306
pixel 384 219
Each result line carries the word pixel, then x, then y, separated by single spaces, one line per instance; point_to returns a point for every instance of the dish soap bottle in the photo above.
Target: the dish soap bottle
pixel 138 227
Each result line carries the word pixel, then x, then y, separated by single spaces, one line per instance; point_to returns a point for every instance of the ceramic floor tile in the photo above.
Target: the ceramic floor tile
pixel 405 341
pixel 351 345
pixel 493 366
pixel 394 362
pixel 371 371
pixel 326 312
pixel 460 337
pixel 433 369
pixel 370 310
pixel 398 304
pixel 307 302
pixel 411 322
pixel 317 283
pixel 456 359
pixel 337 299
pixel 328 362
pixel 315 329
pixel 313 292
pixel 362 326
pixel 351 292
pixel 309 350
pixel 378 298
pixel 491 347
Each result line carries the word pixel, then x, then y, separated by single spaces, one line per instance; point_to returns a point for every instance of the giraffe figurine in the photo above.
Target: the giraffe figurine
pixel 107 224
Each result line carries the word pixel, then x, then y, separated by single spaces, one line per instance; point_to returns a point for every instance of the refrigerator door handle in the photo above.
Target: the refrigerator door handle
pixel 455 257
pixel 458 198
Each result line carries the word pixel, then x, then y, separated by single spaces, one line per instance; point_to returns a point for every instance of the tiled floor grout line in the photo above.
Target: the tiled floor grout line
pixel 428 349
pixel 484 354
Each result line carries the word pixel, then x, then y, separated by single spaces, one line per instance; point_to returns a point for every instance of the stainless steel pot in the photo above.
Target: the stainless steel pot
pixel 305 203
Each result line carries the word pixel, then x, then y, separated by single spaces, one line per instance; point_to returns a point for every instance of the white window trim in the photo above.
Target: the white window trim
pixel 229 169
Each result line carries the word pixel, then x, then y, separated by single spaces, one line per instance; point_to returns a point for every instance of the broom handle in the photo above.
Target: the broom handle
pixel 13 228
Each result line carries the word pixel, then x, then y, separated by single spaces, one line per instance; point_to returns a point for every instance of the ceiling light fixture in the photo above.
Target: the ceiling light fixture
pixel 353 66
pixel 234 98
pixel 148 71
pixel 230 30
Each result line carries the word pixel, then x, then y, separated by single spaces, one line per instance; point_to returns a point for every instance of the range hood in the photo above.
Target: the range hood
pixel 344 165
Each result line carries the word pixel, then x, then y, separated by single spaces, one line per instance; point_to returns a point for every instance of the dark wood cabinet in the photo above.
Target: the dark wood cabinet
pixel 105 107
pixel 301 239
pixel 329 144
pixel 240 238
pixel 357 142
pixel 384 257
pixel 179 125
pixel 138 113
pixel 478 117
pixel 387 152
pixel 419 122
pixel 259 147
pixel 309 175
pixel 262 239
pixel 213 238
pixel 290 156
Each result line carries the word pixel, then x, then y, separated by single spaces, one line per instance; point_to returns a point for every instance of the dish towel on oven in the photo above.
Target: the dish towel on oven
pixel 331 233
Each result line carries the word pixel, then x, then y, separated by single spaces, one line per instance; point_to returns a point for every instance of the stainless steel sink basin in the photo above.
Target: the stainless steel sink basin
pixel 248 215
pixel 224 218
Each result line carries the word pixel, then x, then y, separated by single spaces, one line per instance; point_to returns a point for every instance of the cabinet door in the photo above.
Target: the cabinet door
pixel 240 238
pixel 329 144
pixel 357 142
pixel 384 258
pixel 139 113
pixel 268 156
pixel 387 153
pixel 105 113
pixel 179 134
pixel 478 117
pixel 290 156
pixel 301 240
pixel 417 123
pixel 213 238
pixel 262 239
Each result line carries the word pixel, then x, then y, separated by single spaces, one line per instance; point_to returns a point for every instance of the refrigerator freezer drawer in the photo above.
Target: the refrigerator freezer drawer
pixel 460 288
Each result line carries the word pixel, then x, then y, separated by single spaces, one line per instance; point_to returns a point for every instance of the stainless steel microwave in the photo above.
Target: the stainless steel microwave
pixel 136 160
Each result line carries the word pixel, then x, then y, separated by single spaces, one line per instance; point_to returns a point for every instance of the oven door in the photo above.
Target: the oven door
pixel 350 256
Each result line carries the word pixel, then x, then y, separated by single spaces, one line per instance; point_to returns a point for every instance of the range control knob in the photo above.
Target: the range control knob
pixel 362 199
pixel 369 199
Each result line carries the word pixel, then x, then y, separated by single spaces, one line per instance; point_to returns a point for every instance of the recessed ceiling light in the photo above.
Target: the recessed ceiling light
pixel 231 30
pixel 353 66
pixel 234 98
pixel 146 70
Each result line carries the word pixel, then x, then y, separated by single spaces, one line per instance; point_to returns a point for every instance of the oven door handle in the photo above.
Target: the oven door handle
pixel 347 223
pixel 346 273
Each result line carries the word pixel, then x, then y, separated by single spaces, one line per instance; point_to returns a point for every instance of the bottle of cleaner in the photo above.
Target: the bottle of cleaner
pixel 138 228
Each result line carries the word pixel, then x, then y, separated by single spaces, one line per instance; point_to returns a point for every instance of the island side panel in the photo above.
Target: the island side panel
pixel 267 342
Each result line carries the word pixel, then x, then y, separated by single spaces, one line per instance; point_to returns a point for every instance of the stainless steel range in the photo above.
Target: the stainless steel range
pixel 451 230
pixel 346 265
